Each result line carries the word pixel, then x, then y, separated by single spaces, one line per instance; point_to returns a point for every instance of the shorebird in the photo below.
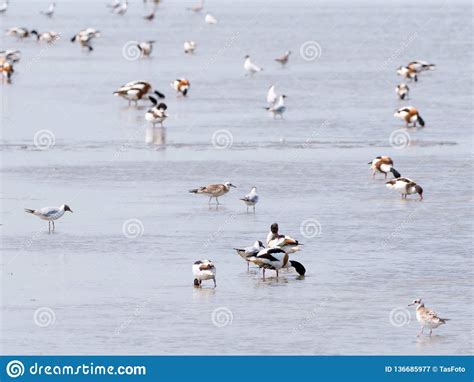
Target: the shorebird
pixel 405 187
pixel 402 91
pixel 284 59
pixel 251 199
pixel 189 46
pixel 408 73
pixel 197 7
pixel 18 32
pixel 181 85
pixel 276 259
pixel 275 240
pixel 121 9
pixel 250 67
pixel 157 113
pixel 383 165
pixel 247 252
pixel 4 6
pixel 47 37
pixel 6 70
pixel 85 37
pixel 210 19
pixel 12 56
pixel 50 11
pixel 50 214
pixel 146 47
pixel 213 190
pixel 278 108
pixel 135 90
pixel 204 270
pixel 426 317
pixel 271 96
pixel 421 66
pixel 410 115
pixel 150 16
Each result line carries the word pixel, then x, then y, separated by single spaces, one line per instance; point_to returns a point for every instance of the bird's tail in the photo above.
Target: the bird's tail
pixel 298 267
pixel 395 173
pixel 29 211
pixel 422 122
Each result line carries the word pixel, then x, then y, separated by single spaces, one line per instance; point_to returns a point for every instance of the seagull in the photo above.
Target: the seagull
pixel 204 270
pixel 250 67
pixel 275 240
pixel 213 190
pixel 4 6
pixel 410 115
pixel 146 47
pixel 283 60
pixel 48 37
pixel 278 108
pixel 197 7
pixel 426 317
pixel 402 91
pixel 247 252
pixel 114 4
pixel 210 19
pixel 157 113
pixel 383 165
pixel 405 187
pixel 276 259
pixel 189 46
pixel 50 11
pixel 121 9
pixel 181 85
pixel 50 214
pixel 251 199
pixel 271 96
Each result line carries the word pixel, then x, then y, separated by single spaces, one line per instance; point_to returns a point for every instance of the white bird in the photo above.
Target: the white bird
pixel 189 46
pixel 278 108
pixel 402 91
pixel 285 242
pixel 251 199
pixel 157 114
pixel 47 37
pixel 383 164
pixel 204 270
pixel 50 214
pixel 85 37
pixel 10 55
pixel 146 47
pixel 213 190
pixel 50 11
pixel 4 6
pixel 426 317
pixel 247 252
pixel 121 9
pixel 276 259
pixel 405 187
pixel 271 96
pixel 18 32
pixel 250 67
pixel 210 19
pixel 198 7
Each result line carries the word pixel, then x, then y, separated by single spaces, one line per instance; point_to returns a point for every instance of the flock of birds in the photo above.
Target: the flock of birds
pixel 275 254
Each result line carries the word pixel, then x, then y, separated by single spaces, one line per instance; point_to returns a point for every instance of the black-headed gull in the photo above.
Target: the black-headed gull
pixel 210 19
pixel 278 108
pixel 146 47
pixel 247 252
pixel 274 239
pixel 50 11
pixel 250 67
pixel 50 214
pixel 251 199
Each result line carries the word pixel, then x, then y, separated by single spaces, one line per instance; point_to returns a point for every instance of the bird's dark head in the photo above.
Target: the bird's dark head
pixel 416 302
pixel 284 96
pixel 419 190
pixel 67 208
pixel 260 245
pixel 298 267
pixel 247 56
pixel 274 228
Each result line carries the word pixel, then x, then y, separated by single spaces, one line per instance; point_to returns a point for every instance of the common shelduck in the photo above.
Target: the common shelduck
pixel 135 91
pixel 405 187
pixel 181 85
pixel 47 37
pixel 157 114
pixel 85 37
pixel 408 73
pixel 145 47
pixel 10 55
pixel 250 67
pixel 251 199
pixel 213 190
pixel 402 91
pixel 18 32
pixel 383 165
pixel 426 317
pixel 276 259
pixel 421 66
pixel 410 115
pixel 50 11
pixel 278 108
pixel 247 252
pixel 50 214
pixel 283 60
pixel 6 70
pixel 189 46
pixel 275 239
pixel 204 270
pixel 210 19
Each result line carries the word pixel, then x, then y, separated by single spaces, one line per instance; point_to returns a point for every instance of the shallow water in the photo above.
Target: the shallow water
pixel 374 253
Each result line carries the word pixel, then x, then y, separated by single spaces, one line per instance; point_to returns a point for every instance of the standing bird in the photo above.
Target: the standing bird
pixel 157 113
pixel 135 91
pixel 6 70
pixel 121 9
pixel 197 7
pixel 276 259
pixel 10 55
pixel 402 91
pixel 278 108
pixel 213 190
pixel 145 48
pixel 408 73
pixel 250 67
pixel 251 251
pixel 150 16
pixel 283 60
pixel 251 199
pixel 4 6
pixel 50 11
pixel 50 214
pixel 204 270
pixel 405 187
pixel 181 85
pixel 426 317
pixel 275 240
pixel 85 37
pixel 210 19
pixel 18 32
pixel 189 46
pixel 383 165
pixel 271 96
pixel 410 115
pixel 47 37
pixel 421 66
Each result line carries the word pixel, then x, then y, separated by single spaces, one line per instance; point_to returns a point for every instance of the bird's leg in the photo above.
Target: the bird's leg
pixel 419 334
pixel 210 200
pixel 53 225
pixel 373 175
pixel 217 201
pixel 248 266
pixel 254 208
pixel 263 274
pixel 431 331
pixel 214 282
pixel 277 272
pixel 385 175
pixel 247 208
pixel 49 226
